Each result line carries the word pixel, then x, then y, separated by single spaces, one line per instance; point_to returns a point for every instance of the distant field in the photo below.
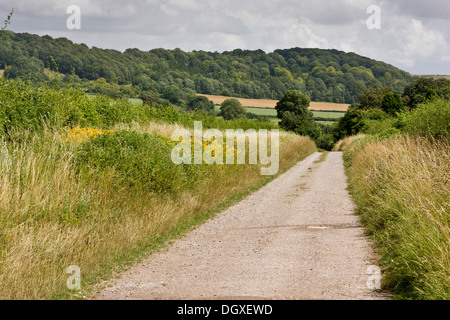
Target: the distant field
pixel 434 76
pixel 317 114
pixel 265 103
pixel 322 116
pixel 328 123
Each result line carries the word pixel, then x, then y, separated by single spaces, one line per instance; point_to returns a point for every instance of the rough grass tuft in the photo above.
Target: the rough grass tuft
pixel 402 190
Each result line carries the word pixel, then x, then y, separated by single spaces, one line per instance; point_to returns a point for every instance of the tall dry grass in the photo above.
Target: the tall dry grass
pixel 51 217
pixel 342 144
pixel 401 186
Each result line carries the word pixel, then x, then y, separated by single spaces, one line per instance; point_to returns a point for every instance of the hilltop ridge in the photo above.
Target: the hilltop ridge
pixel 327 75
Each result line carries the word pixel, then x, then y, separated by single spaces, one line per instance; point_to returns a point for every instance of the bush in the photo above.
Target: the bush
pixel 422 90
pixel 325 141
pixel 392 104
pixel 201 103
pixel 377 126
pixel 139 160
pixel 231 109
pixel 24 105
pixel 356 121
pixel 350 124
pixel 295 102
pixel 112 111
pixel 431 118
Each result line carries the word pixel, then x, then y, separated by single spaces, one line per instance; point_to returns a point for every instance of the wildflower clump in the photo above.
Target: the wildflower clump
pixel 79 134
pixel 212 145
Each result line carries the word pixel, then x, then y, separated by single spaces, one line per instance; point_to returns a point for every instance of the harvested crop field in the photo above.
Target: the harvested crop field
pixel 265 103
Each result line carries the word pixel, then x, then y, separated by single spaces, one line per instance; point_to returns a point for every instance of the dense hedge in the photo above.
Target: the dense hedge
pixel 26 105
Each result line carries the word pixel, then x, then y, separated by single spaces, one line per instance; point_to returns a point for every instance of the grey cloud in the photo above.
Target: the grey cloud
pixel 424 9
pixel 413 34
pixel 339 12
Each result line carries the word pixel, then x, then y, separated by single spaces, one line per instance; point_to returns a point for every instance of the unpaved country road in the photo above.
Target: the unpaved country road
pixel 296 238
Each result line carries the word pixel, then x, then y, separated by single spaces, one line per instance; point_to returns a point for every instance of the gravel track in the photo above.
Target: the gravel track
pixel 295 238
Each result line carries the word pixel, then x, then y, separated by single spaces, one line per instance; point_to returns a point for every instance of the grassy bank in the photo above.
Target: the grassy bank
pixel 89 182
pixel 402 191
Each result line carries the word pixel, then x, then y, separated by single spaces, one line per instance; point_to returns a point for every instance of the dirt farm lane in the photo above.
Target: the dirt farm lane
pixel 295 238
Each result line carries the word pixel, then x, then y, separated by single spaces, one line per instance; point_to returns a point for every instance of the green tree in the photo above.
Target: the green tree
pixel 27 69
pixel 372 98
pixel 296 103
pixel 200 103
pixel 350 124
pixel 299 124
pixel 231 108
pixel 241 73
pixel 392 104
pixel 293 111
pixel 173 94
pixel 423 90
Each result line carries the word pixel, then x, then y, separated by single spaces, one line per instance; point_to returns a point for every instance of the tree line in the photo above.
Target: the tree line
pixel 175 75
pixel 379 110
pixel 383 109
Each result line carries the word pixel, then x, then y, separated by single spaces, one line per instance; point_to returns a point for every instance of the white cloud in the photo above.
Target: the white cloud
pixel 411 36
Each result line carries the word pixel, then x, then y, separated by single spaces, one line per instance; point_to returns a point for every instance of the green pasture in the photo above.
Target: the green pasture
pixel 327 117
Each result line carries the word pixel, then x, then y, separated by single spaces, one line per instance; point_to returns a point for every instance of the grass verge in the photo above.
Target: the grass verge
pixel 402 191
pixel 53 214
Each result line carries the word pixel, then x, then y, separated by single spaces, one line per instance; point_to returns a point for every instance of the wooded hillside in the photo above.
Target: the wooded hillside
pixel 324 75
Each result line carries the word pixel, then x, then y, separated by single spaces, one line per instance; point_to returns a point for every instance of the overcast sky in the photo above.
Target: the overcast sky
pixel 414 35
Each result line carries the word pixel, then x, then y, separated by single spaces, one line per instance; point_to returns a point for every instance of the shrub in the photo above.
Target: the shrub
pixel 139 160
pixel 431 118
pixel 201 103
pixel 392 104
pixel 370 121
pixel 377 126
pixel 372 98
pixel 350 124
pixel 296 102
pixel 231 109
pixel 24 105
pixel 325 141
pixel 422 90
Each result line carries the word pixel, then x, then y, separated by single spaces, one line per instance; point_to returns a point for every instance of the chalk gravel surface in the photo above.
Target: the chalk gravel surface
pixel 296 238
